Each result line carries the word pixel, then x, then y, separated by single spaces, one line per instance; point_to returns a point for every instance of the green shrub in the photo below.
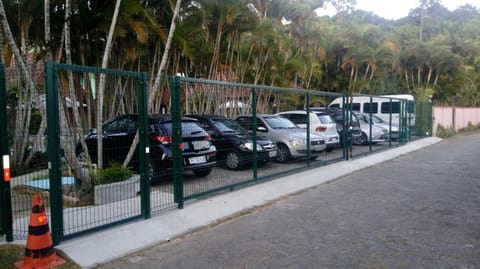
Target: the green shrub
pixel 114 173
pixel 445 132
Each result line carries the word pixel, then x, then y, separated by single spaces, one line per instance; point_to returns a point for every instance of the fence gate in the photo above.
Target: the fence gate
pixel 78 195
pixel 79 200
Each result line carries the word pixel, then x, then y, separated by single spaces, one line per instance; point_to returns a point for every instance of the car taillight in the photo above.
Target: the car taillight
pixel 320 129
pixel 165 140
pixel 208 137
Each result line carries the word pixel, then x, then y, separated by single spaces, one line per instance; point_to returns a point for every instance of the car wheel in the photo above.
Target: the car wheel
pixel 361 140
pixel 233 160
pixel 283 153
pixel 202 173
pixel 152 173
pixel 81 156
pixel 313 158
pixel 329 149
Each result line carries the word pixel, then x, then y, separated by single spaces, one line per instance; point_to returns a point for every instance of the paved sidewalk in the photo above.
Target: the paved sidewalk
pixel 104 246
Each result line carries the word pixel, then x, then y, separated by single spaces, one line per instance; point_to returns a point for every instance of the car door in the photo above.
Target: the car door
pixel 118 136
pixel 218 139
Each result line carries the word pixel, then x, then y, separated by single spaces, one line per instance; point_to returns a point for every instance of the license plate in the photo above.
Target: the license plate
pixel 197 160
pixel 197 145
pixel 272 153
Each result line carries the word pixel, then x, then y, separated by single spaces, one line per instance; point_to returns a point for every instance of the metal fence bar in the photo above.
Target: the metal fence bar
pixel 6 221
pixel 54 153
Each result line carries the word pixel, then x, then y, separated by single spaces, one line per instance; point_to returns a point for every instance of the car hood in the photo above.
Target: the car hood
pixel 246 137
pixel 387 126
pixel 298 133
pixel 375 129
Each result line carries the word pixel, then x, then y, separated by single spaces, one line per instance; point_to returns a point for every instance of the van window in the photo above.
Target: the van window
pixel 385 108
pixel 411 107
pixel 356 106
pixel 370 107
pixel 335 105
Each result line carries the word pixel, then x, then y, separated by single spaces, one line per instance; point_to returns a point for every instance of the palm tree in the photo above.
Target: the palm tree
pixel 24 105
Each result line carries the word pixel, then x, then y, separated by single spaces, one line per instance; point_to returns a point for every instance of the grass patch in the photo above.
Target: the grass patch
pixel 12 253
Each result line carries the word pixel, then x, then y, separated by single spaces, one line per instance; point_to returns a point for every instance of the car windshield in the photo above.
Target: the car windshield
pixel 366 118
pixel 325 118
pixel 363 120
pixel 227 126
pixel 377 119
pixel 189 128
pixel 279 122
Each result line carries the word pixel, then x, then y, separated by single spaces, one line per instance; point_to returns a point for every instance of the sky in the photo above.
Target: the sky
pixel 395 9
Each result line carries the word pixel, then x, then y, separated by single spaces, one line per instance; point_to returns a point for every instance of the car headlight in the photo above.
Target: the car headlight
pixel 249 146
pixel 296 141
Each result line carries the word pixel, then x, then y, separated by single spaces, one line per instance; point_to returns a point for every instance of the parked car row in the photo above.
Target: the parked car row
pixel 234 143
pixel 291 140
pixel 210 140
pixel 198 152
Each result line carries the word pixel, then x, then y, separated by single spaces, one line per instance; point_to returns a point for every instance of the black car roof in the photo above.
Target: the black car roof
pixel 155 116
pixel 207 116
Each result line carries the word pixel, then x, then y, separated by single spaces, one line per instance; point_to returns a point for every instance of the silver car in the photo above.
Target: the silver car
pixel 320 123
pixel 377 121
pixel 291 140
pixel 378 134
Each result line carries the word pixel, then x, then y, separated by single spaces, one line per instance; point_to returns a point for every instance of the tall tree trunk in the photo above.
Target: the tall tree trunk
pixel 158 79
pixel 101 86
pixel 32 93
pixel 73 129
pixel 163 63
pixel 48 38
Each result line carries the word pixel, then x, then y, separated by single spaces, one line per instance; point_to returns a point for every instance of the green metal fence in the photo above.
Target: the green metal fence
pixel 72 182
pixel 89 203
pixel 249 103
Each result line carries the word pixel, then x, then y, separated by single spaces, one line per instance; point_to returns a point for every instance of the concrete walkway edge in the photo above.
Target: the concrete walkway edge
pixel 107 245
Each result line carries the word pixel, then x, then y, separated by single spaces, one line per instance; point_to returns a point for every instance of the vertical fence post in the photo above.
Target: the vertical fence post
pixel 143 146
pixel 349 125
pixel 307 104
pixel 344 127
pixel 370 120
pixel 430 117
pixel 177 141
pixel 390 121
pixel 6 220
pixel 254 138
pixel 54 152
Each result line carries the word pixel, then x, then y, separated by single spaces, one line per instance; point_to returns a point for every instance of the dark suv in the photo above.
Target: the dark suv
pixel 199 154
pixel 233 142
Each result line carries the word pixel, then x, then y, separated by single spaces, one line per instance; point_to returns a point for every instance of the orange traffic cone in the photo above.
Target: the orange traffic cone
pixel 39 253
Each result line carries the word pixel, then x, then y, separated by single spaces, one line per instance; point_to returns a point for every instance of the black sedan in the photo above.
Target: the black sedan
pixel 234 144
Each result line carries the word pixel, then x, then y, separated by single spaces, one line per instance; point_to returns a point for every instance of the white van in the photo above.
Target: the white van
pixel 381 106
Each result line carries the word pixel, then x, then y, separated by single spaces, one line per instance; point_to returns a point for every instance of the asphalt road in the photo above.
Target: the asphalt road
pixel 421 210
